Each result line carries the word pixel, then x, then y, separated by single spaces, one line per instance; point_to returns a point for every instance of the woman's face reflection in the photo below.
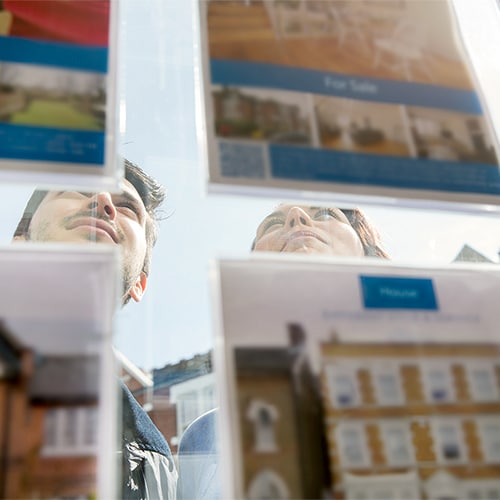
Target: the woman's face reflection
pixel 304 229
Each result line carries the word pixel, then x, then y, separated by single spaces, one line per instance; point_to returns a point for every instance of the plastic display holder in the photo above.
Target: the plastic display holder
pixel 59 389
pixel 58 94
pixel 341 378
pixel 326 99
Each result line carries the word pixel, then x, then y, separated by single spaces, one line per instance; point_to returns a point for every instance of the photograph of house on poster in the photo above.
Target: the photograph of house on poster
pixel 361 378
pixel 370 98
pixel 59 396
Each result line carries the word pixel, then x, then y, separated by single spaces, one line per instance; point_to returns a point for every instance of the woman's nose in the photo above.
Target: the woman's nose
pixel 102 203
pixel 297 216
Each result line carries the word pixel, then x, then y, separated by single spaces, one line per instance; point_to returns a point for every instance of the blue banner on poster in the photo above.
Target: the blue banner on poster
pixel 398 293
pixel 50 144
pixel 61 55
pixel 225 72
pixel 325 165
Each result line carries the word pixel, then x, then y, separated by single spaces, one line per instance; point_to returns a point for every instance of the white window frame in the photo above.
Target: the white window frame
pixel 60 445
pixel 443 367
pixel 357 429
pixel 333 371
pixel 455 424
pixel 407 442
pixel 398 398
pixel 474 389
pixel 487 440
pixel 188 411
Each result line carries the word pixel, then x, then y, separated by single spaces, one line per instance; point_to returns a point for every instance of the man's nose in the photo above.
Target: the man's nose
pixel 103 205
pixel 297 216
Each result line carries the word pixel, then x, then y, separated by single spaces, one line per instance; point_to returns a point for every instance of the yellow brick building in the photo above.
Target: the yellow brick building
pixel 412 420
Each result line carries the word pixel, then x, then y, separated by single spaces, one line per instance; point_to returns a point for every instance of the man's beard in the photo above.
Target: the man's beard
pixel 129 279
pixel 44 234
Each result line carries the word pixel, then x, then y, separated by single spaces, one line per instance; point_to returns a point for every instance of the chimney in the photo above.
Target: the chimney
pixel 296 335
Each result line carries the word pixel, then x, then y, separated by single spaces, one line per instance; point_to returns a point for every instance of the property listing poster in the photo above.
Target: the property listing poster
pixel 56 88
pixel 356 97
pixel 58 384
pixel 358 380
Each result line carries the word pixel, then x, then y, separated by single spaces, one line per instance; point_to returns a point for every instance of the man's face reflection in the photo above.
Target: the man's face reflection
pixel 114 219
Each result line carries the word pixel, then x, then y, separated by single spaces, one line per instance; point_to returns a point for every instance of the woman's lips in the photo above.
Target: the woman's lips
pixel 97 225
pixel 301 234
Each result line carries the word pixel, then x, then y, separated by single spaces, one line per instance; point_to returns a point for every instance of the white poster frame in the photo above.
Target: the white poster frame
pixel 435 190
pixel 61 307
pixel 256 298
pixel 82 157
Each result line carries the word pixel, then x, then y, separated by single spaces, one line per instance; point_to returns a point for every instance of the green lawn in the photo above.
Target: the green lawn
pixel 54 114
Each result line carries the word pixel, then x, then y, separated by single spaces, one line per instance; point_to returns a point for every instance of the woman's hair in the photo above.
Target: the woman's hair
pixel 367 233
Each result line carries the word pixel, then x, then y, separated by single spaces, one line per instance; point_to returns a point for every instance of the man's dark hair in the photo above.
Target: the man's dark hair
pixel 152 194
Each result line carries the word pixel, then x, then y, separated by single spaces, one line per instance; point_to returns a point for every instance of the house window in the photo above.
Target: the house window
pixel 482 382
pixel 403 485
pixel 90 426
pixel 449 441
pixel 474 495
pixel 70 431
pixel 342 387
pixel 208 398
pixel 188 408
pixel 489 430
pixel 50 431
pixel 483 491
pixel 388 387
pixel 353 450
pixel 263 416
pixel 70 426
pixel 397 443
pixel 438 383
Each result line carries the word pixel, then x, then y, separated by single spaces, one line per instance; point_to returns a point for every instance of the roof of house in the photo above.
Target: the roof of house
pixel 469 254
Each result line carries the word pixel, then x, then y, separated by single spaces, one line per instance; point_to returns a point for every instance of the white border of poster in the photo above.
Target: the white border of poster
pixel 363 301
pixel 59 124
pixel 406 133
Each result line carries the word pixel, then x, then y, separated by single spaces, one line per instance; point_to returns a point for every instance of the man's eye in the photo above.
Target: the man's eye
pixel 273 223
pixel 74 194
pixel 129 208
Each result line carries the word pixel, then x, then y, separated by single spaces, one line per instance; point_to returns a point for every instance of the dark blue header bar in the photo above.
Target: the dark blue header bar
pixel 61 55
pixel 398 293
pixel 340 85
pixel 326 165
